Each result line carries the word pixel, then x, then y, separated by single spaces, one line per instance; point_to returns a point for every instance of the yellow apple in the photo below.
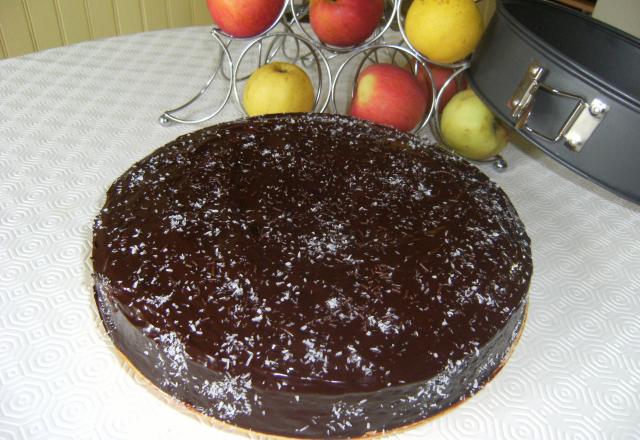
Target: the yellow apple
pixel 470 129
pixel 278 88
pixel 443 30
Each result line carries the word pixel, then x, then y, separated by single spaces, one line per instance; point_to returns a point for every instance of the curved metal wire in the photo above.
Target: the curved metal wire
pixel 278 45
pixel 369 51
pixel 169 117
pixel 321 64
pixel 498 161
pixel 303 10
pixel 435 124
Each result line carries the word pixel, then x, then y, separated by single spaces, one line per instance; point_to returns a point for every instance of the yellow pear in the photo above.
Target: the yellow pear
pixel 278 88
pixel 444 31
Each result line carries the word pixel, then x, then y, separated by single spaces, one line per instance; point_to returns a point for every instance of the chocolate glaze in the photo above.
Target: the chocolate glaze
pixel 310 275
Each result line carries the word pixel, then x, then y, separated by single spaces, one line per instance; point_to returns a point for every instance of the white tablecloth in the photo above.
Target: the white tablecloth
pixel 75 118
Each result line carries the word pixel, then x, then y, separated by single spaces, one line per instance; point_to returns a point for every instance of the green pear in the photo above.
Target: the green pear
pixel 470 129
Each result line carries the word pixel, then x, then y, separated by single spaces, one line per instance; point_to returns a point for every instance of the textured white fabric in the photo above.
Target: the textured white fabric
pixel 73 119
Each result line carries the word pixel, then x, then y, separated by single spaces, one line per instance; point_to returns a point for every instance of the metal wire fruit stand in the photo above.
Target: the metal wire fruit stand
pixel 333 69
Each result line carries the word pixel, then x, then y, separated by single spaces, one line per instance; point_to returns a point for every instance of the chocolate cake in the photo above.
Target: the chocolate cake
pixel 310 276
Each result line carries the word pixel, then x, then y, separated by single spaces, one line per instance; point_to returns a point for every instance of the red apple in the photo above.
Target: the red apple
pixel 244 18
pixel 440 75
pixel 389 95
pixel 345 22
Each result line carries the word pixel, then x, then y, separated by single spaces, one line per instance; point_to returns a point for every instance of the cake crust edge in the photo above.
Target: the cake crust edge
pixel 214 422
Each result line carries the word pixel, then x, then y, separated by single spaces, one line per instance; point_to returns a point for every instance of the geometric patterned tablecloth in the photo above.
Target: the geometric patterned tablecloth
pixel 73 119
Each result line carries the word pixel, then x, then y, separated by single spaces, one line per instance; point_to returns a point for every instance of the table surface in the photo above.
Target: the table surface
pixel 73 119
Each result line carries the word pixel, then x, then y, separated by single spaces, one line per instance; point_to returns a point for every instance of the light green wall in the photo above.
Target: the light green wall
pixel 31 25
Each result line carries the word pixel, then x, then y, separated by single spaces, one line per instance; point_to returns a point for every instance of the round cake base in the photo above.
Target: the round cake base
pixel 184 408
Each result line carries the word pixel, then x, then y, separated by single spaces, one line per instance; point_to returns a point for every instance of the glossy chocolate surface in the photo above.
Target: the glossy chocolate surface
pixel 309 275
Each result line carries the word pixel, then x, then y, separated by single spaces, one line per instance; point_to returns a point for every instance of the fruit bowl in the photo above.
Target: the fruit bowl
pixel 362 33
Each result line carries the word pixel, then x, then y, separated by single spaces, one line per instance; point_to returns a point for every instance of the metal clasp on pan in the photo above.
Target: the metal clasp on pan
pixel 575 130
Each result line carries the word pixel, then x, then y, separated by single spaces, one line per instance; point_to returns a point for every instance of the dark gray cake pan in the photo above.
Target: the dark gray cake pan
pixel 570 84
